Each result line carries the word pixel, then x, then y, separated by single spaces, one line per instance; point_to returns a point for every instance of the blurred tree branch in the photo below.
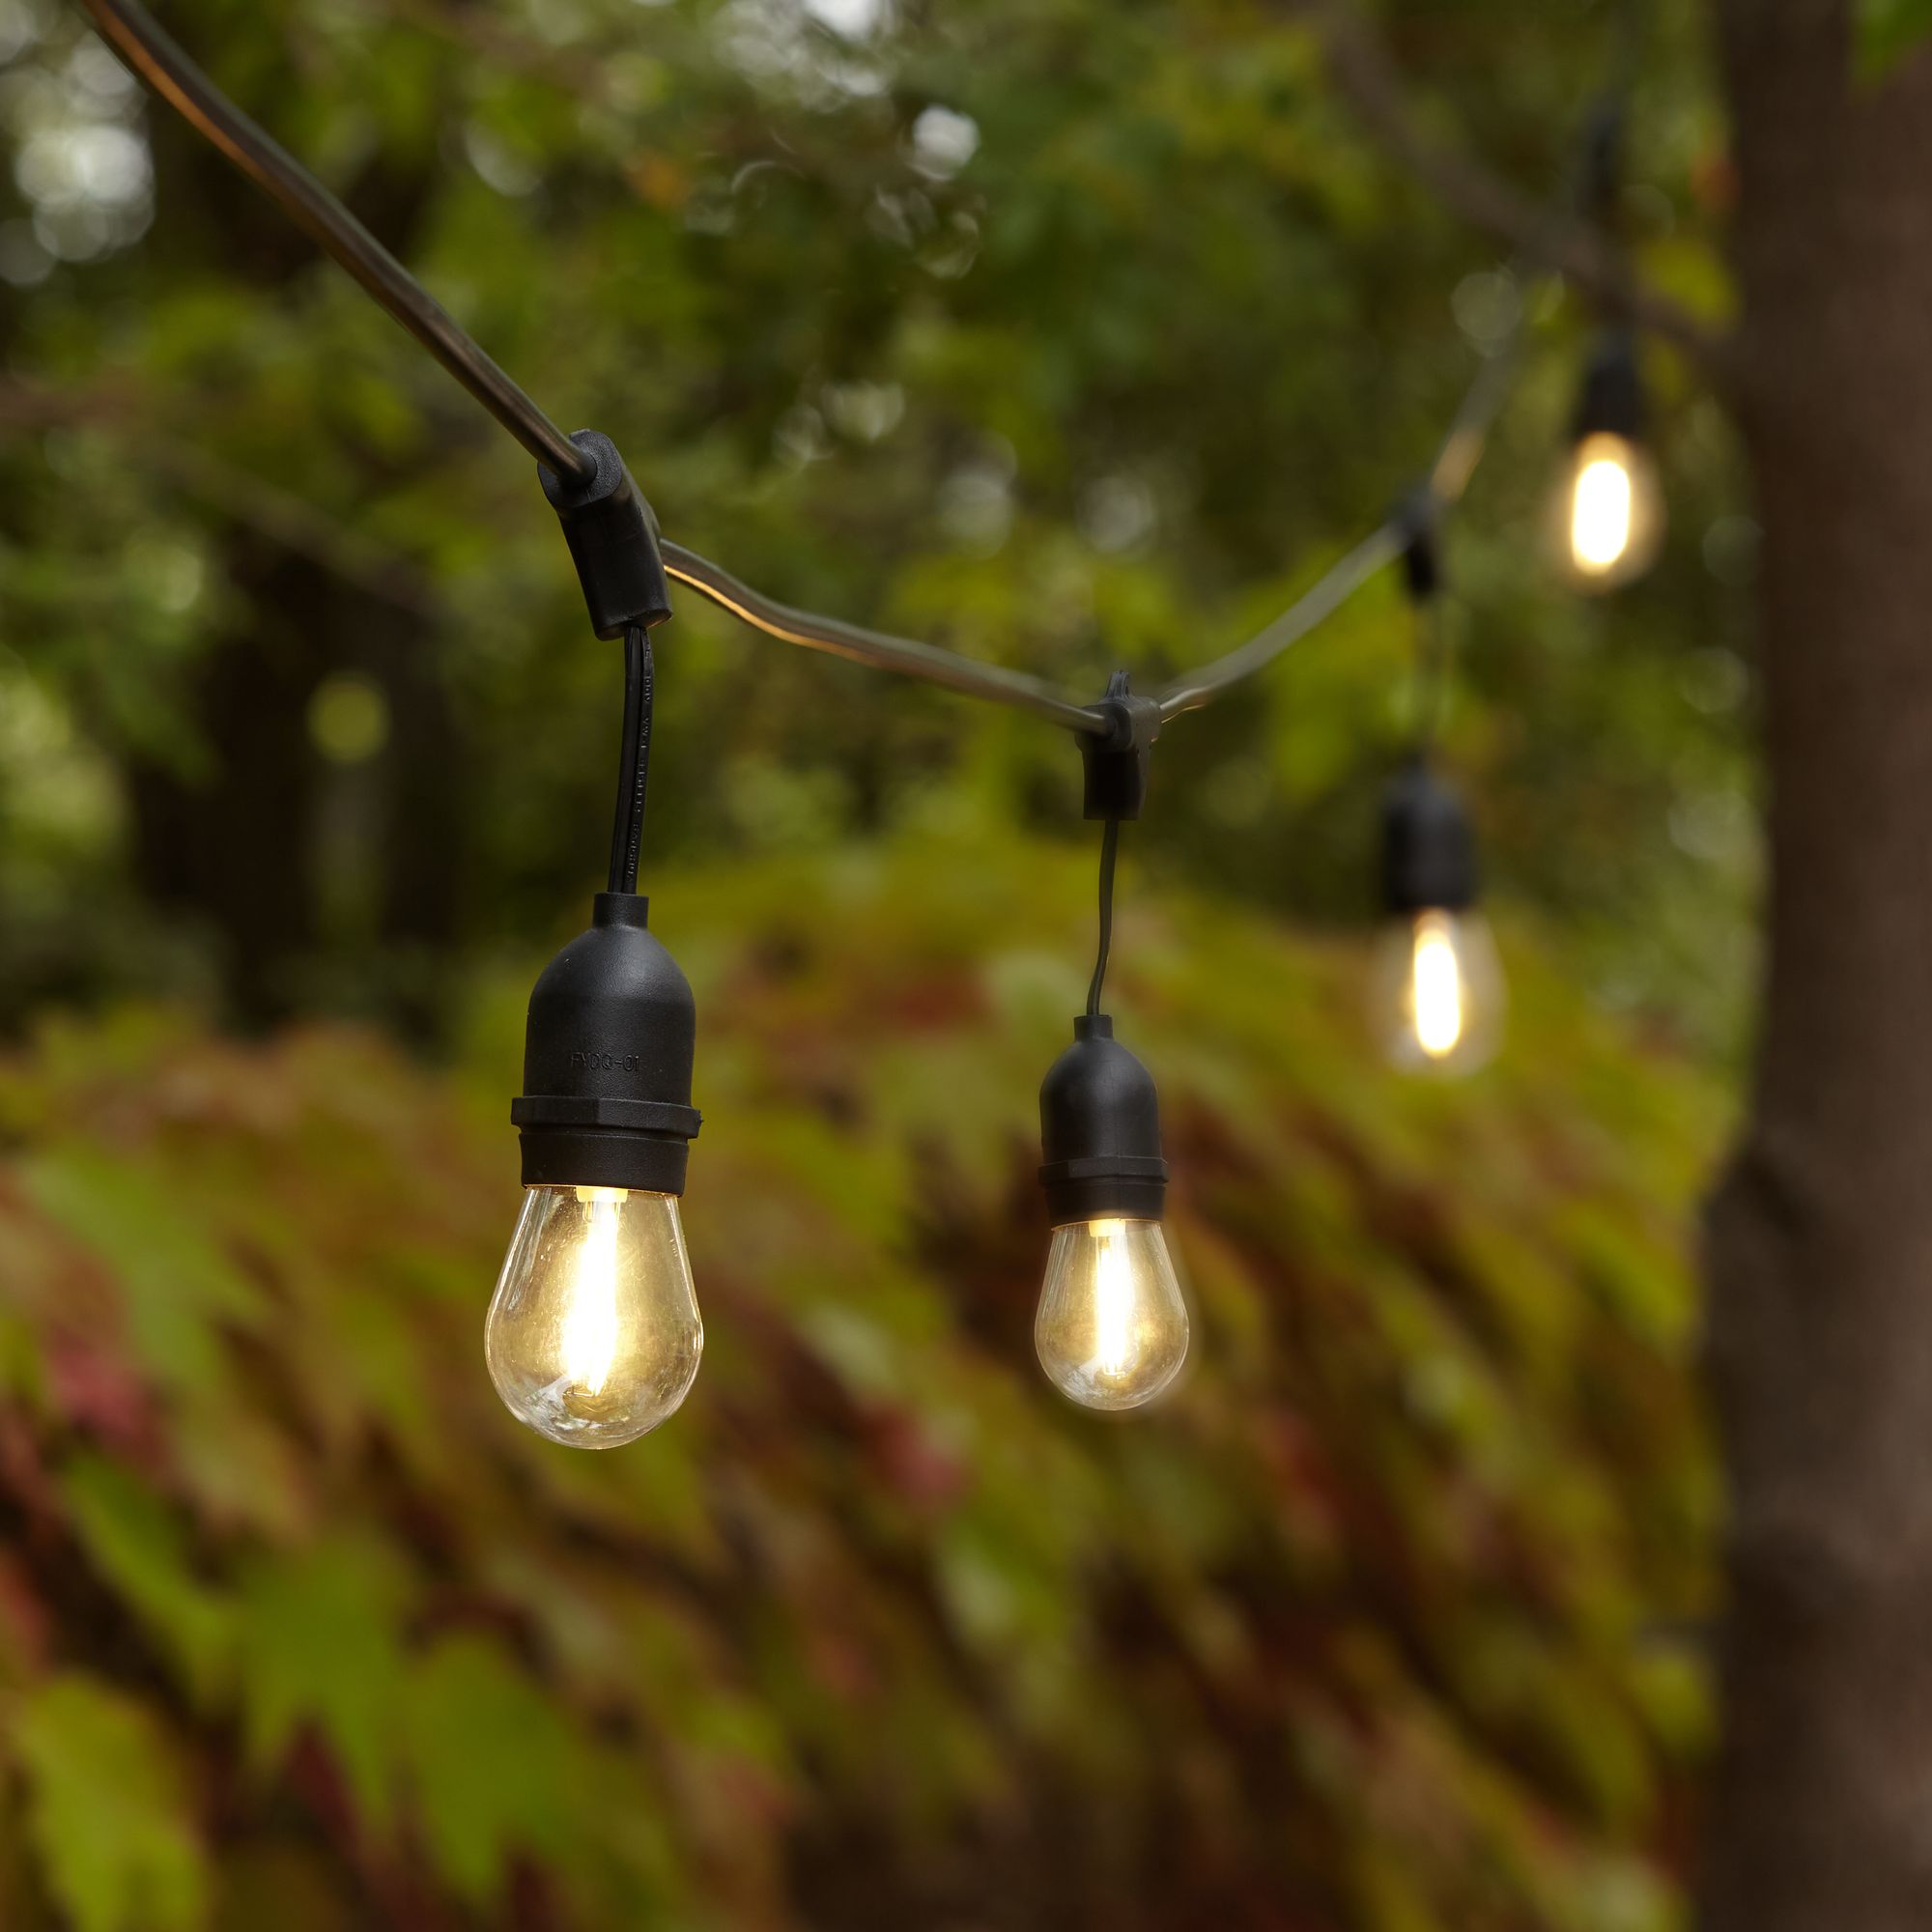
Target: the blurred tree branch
pixel 504 45
pixel 1553 238
pixel 294 523
pixel 241 494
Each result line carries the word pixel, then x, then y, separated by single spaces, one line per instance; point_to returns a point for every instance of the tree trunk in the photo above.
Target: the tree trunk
pixel 228 849
pixel 231 849
pixel 1821 1237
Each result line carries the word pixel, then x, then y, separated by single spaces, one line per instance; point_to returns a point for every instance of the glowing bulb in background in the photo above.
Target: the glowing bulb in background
pixel 1599 509
pixel 593 1335
pixel 1614 510
pixel 1435 986
pixel 1112 1327
pixel 1437 992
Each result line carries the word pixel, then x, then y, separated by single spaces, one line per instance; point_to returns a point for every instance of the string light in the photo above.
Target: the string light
pixel 1435 991
pixel 593 1335
pixel 1436 984
pixel 1609 508
pixel 1111 1331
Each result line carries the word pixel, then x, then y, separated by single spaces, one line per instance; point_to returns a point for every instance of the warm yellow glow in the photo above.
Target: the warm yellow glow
pixel 1435 991
pixel 1113 1298
pixel 1112 1326
pixel 1435 986
pixel 591 1323
pixel 1603 503
pixel 593 1335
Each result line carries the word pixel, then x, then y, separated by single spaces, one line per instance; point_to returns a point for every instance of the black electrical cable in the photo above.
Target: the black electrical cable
pixel 876 649
pixel 1110 845
pixel 157 61
pixel 1422 577
pixel 140 40
pixel 1435 652
pixel 634 760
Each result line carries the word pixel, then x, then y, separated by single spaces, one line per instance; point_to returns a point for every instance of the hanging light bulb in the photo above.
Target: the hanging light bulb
pixel 1436 985
pixel 1112 1327
pixel 1611 507
pixel 1437 992
pixel 593 1335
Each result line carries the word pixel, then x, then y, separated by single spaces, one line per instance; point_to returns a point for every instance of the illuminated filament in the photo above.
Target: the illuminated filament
pixel 1435 988
pixel 1113 1299
pixel 1603 509
pixel 590 1326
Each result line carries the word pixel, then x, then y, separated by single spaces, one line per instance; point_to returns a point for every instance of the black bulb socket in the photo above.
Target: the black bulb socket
pixel 1429 847
pixel 607 1060
pixel 1100 1130
pixel 1611 402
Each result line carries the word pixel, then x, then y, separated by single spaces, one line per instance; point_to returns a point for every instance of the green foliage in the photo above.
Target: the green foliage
pixel 497 1768
pixel 1073 335
pixel 1366 1629
pixel 1887 32
pixel 118 1849
pixel 319 1645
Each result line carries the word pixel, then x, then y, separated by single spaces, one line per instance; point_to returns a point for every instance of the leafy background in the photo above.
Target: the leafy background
pixel 1380 1621
pixel 1071 344
pixel 1073 336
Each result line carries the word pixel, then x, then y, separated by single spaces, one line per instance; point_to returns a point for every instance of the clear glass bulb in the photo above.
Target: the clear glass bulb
pixel 593 1335
pixel 1612 507
pixel 1112 1328
pixel 1435 990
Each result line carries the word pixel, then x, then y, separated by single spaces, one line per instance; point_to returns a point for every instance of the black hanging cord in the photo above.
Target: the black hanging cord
pixel 1434 653
pixel 1110 845
pixel 1422 577
pixel 634 760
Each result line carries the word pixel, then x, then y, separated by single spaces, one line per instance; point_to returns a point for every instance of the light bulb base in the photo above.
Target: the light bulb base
pixel 1099 1117
pixel 1429 848
pixel 1118 1190
pixel 607 1060
pixel 556 1155
pixel 1611 402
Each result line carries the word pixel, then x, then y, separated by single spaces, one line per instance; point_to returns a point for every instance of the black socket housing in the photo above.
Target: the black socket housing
pixel 1612 403
pixel 1099 1130
pixel 1116 766
pixel 612 537
pixel 607 1060
pixel 1429 848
